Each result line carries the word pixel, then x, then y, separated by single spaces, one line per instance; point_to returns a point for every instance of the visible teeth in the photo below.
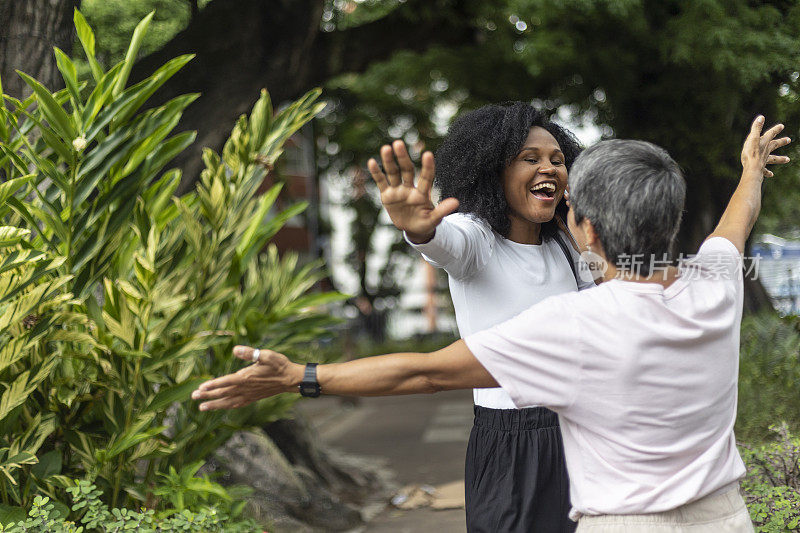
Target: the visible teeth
pixel 544 186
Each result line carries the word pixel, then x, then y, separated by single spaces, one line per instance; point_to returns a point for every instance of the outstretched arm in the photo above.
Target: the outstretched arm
pixel 739 217
pixel 453 367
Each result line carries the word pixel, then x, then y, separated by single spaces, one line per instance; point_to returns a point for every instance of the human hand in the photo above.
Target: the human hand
pixel 409 207
pixel 758 148
pixel 272 374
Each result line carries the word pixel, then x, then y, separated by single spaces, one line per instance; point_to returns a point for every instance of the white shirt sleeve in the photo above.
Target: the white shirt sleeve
pixel 462 245
pixel 534 356
pixel 718 258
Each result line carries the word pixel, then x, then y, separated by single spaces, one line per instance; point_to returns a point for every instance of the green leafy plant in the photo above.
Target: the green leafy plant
pixel 185 489
pixel 117 297
pixel 45 516
pixel 769 371
pixel 772 485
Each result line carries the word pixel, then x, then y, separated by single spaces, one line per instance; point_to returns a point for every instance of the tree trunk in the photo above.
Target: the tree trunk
pixel 29 29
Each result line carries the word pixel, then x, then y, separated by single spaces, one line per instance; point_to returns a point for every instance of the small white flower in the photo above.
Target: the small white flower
pixel 79 143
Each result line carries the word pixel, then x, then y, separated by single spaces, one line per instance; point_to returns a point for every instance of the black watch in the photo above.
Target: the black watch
pixel 309 386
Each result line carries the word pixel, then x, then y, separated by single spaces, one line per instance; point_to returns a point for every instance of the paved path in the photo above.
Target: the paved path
pixel 423 439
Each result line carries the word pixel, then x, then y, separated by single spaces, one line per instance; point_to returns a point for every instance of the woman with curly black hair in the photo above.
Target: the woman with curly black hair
pixel 502 171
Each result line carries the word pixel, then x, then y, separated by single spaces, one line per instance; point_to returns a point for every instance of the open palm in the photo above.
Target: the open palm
pixel 409 206
pixel 758 147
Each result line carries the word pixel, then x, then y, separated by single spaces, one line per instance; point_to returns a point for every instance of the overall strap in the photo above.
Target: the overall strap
pixel 565 249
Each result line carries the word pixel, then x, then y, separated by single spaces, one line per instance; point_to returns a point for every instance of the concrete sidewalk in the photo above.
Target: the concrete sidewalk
pixel 423 439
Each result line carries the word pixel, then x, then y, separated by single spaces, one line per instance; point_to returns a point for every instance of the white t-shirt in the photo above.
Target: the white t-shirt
pixel 643 379
pixel 493 279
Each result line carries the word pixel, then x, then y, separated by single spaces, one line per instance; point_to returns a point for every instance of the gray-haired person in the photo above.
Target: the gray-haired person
pixel 642 369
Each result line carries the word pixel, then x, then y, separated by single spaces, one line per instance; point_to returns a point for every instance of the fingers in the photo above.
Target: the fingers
pixel 404 160
pixel 771 133
pixel 231 402
pixel 444 208
pixel 224 381
pixel 389 165
pixel 214 394
pixel 755 128
pixel 427 173
pixel 778 143
pixel 777 160
pixel 774 144
pixel 243 352
pixel 377 175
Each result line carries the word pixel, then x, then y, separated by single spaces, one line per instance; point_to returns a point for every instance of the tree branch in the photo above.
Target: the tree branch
pixel 406 28
pixel 244 45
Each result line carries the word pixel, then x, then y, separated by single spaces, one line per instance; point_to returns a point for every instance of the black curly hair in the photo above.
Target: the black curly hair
pixel 478 148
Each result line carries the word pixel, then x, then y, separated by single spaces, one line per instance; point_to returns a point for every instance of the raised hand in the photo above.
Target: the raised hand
pixel 739 217
pixel 758 148
pixel 410 207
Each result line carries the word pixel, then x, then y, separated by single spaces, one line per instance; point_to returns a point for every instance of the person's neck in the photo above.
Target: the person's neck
pixel 524 232
pixel 665 277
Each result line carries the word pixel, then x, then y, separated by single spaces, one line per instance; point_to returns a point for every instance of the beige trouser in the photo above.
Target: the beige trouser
pixel 723 513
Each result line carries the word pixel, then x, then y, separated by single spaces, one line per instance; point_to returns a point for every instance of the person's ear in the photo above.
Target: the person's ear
pixel 589 233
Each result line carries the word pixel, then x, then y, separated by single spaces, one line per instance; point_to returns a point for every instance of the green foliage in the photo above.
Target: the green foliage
pixel 115 21
pixel 689 76
pixel 769 371
pixel 772 485
pixel 117 298
pixel 45 516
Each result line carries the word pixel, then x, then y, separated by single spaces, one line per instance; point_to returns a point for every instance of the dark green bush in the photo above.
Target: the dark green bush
pixel 772 484
pixel 769 376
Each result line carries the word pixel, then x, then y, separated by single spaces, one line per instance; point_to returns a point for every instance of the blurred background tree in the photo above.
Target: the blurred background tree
pixel 688 76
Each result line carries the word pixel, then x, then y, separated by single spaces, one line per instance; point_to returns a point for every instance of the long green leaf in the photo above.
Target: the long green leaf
pixel 11 186
pixel 20 258
pixel 266 202
pixel 133 51
pixel 86 37
pixel 169 395
pixel 15 394
pixel 51 109
pixel 23 211
pixel 4 132
pixel 10 235
pixel 146 88
pixel 70 75
pixel 96 101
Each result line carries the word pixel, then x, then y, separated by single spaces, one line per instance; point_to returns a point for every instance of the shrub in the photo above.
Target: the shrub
pixel 769 373
pixel 772 485
pixel 44 516
pixel 117 298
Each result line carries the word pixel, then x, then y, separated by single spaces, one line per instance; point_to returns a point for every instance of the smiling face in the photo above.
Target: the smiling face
pixel 535 180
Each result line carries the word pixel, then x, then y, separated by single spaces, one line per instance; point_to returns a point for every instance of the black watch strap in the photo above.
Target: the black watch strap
pixel 309 387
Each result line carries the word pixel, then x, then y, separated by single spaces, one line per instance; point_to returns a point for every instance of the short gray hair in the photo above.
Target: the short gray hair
pixel 633 193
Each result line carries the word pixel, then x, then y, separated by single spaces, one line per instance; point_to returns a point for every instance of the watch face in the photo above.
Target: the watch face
pixel 309 389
